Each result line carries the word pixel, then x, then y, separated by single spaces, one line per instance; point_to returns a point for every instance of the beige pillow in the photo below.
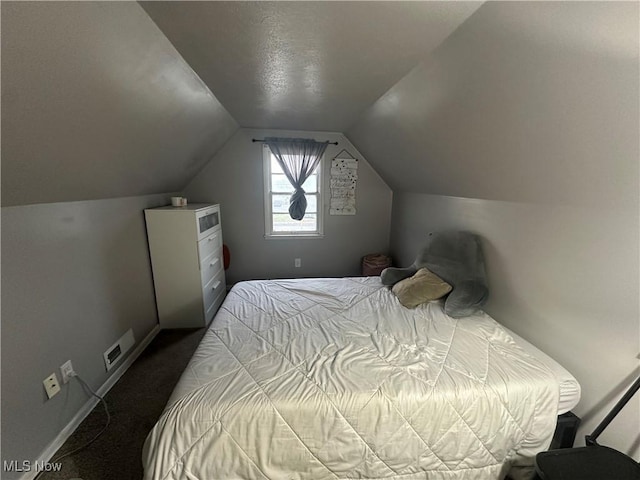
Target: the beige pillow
pixel 424 286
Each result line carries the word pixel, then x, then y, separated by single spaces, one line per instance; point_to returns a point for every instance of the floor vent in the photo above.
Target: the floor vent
pixel 118 349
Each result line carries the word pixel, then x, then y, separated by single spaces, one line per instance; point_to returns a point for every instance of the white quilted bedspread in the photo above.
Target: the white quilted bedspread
pixel 334 379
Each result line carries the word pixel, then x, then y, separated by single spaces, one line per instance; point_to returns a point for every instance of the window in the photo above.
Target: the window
pixel 278 190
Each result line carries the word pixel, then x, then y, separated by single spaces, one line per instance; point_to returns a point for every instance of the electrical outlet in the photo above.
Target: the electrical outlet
pixel 51 385
pixel 66 369
pixel 297 263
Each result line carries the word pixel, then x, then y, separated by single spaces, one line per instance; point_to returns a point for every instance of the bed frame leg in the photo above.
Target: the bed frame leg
pixel 566 429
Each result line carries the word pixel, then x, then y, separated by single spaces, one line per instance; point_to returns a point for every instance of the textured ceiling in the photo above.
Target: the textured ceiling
pixel 304 65
pixel 112 99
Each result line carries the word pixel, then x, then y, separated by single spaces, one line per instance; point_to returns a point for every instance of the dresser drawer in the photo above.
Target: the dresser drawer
pixel 208 221
pixel 210 244
pixel 211 266
pixel 214 288
pixel 210 310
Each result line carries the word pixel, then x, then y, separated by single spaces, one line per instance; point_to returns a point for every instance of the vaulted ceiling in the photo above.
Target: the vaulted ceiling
pixel 304 65
pixel 112 99
pixel 105 99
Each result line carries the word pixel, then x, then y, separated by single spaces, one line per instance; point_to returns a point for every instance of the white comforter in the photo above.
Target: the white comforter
pixel 334 379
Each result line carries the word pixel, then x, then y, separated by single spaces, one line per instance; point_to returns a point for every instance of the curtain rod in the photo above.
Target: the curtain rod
pixel 256 140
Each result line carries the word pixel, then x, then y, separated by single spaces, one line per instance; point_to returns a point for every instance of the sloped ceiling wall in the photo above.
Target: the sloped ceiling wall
pixel 97 103
pixel 524 102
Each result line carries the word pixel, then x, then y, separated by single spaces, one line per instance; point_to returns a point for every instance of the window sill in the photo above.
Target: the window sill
pixel 294 236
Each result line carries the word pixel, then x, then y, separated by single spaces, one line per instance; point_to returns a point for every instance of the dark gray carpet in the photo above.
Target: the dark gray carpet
pixel 135 404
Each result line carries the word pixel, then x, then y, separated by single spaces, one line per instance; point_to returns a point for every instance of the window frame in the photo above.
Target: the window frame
pixel 268 213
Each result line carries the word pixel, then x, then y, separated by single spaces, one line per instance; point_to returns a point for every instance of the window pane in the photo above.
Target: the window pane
pixel 282 222
pixel 280 184
pixel 311 184
pixel 280 203
pixel 275 166
pixel 312 203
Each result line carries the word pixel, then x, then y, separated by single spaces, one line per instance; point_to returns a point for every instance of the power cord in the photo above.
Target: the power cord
pixel 82 447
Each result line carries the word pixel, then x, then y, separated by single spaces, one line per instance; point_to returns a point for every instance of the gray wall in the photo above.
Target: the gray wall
pixel 531 112
pixel 234 178
pixel 95 96
pixel 515 106
pixel 75 277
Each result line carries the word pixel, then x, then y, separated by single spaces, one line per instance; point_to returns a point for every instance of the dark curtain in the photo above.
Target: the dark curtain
pixel 298 158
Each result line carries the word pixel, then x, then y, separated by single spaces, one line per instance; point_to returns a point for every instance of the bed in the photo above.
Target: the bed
pixel 334 379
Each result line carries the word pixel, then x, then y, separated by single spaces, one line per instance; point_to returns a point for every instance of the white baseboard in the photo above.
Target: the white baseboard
pixel 86 409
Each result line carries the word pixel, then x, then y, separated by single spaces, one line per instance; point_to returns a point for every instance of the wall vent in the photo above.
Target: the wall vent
pixel 116 351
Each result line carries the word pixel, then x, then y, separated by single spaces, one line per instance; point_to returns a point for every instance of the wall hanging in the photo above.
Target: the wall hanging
pixel 344 175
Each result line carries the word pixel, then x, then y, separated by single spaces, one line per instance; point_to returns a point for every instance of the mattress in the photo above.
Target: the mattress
pixel 569 388
pixel 334 379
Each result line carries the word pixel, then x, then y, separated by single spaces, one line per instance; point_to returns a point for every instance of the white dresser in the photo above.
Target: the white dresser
pixel 185 244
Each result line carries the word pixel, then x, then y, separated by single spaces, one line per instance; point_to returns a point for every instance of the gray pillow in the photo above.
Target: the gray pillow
pixel 466 299
pixel 424 286
pixel 456 257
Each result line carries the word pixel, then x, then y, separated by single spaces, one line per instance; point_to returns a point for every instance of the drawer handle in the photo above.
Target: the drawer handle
pixel 215 285
pixel 212 238
pixel 214 262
